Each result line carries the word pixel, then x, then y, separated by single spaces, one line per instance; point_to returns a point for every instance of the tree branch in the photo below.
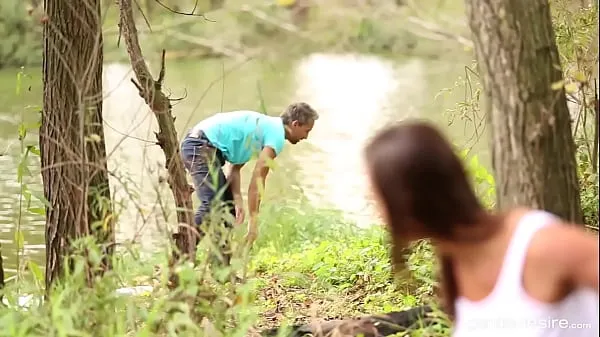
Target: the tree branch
pixel 437 30
pixel 151 91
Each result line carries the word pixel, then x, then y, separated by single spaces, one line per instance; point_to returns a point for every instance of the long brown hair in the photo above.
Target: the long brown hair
pixel 425 192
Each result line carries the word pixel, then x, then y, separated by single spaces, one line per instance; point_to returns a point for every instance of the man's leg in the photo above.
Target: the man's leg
pixel 228 200
pixel 211 188
pixel 198 158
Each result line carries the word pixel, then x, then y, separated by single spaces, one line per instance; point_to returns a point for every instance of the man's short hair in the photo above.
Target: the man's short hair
pixel 301 112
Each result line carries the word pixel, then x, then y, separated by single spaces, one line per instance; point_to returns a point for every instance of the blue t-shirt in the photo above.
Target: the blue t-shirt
pixel 240 135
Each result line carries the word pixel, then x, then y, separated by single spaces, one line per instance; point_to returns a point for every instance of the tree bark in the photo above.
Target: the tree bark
pixel 73 154
pixel 533 152
pixel 151 91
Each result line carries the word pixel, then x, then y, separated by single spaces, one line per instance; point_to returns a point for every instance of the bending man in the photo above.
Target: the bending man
pixel 236 137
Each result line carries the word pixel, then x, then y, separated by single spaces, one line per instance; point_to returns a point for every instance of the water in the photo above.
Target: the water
pixel 355 95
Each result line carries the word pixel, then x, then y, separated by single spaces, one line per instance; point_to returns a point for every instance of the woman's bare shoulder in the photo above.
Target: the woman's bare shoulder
pixel 566 251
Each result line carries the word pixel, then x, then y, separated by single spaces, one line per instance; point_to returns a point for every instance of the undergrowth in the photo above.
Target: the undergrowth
pixel 306 264
pixel 326 269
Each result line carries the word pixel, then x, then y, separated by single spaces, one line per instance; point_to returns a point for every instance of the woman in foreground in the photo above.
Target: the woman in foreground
pixel 522 272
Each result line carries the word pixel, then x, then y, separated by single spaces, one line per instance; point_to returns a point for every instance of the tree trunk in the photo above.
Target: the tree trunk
pixel 73 154
pixel 533 152
pixel 151 91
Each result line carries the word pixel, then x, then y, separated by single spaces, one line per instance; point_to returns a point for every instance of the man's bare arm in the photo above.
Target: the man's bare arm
pixel 257 182
pixel 234 179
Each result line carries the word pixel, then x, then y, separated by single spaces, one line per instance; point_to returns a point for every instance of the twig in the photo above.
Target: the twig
pixel 266 18
pixel 435 29
pixel 192 13
pixel 156 29
pixel 205 43
pixel 137 4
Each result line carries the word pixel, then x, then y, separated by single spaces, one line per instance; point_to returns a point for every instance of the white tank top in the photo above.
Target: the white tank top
pixel 509 311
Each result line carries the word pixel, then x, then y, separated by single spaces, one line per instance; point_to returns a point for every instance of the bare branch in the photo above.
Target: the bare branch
pixel 214 47
pixel 137 4
pixel 192 13
pixel 161 75
pixel 437 30
pixel 150 91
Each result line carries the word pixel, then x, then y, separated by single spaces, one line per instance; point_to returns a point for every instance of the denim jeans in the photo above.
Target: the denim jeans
pixel 205 164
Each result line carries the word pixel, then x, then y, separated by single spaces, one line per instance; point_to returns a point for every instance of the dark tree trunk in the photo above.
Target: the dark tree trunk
pixel 73 153
pixel 533 152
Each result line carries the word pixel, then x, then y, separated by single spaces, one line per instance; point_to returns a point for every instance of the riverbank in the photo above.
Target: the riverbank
pixel 326 168
pixel 307 264
pixel 322 268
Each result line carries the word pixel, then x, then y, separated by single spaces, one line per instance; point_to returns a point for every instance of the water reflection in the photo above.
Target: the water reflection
pixel 356 95
pixel 135 161
pixel 11 216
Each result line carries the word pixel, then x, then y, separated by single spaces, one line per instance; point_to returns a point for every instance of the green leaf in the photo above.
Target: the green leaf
pixel 22 170
pixel 33 149
pixel 27 195
pixel 19 239
pixel 37 210
pixel 93 138
pixel 571 88
pixel 558 85
pixel 22 131
pixel 579 76
pixel 35 270
pixel 41 198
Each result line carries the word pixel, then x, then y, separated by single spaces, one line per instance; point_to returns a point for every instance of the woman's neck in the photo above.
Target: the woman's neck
pixel 476 238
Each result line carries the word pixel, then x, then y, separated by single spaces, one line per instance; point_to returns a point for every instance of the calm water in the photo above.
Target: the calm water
pixel 354 94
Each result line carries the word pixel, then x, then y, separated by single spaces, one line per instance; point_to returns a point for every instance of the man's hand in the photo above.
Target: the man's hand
pixel 239 211
pixel 257 181
pixel 234 182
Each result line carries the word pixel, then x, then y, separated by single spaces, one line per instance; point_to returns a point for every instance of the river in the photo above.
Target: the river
pixel 354 94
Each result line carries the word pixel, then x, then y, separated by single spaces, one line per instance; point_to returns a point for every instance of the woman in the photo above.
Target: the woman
pixel 521 272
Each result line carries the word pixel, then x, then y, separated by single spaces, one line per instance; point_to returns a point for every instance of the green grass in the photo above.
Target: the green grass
pixel 306 263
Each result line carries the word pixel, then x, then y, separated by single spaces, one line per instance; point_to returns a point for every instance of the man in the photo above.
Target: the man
pixel 236 137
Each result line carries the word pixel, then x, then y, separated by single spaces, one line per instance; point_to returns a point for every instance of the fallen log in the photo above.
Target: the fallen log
pixel 366 326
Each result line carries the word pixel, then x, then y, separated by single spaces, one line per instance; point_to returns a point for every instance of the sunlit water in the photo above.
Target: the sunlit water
pixel 354 95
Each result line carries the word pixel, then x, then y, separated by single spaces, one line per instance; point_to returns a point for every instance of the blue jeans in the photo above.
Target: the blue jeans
pixel 205 164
